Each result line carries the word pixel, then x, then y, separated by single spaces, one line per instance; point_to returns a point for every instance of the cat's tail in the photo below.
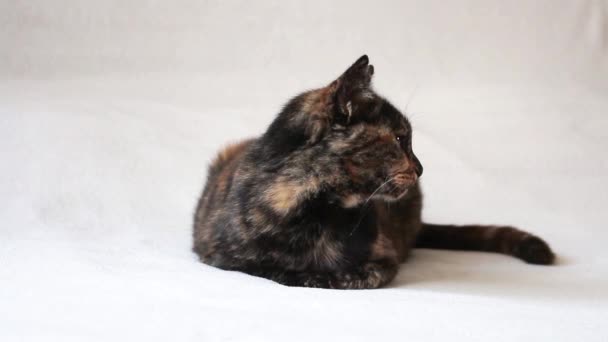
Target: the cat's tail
pixel 497 239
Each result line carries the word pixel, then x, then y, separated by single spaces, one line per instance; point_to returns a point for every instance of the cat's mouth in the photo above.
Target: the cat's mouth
pixel 402 182
pixel 396 187
pixel 405 179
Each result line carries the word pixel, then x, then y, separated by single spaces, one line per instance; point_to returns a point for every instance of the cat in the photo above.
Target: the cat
pixel 328 196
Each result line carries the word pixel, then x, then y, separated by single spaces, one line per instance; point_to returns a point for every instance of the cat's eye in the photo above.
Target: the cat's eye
pixel 402 141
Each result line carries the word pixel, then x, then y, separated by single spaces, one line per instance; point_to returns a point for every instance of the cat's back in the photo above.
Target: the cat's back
pixel 220 179
pixel 227 157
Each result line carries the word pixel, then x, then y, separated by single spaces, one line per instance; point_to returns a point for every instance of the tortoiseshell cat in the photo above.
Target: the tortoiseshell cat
pixel 307 203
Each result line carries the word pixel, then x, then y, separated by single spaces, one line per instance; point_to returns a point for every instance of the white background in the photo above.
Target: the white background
pixel 110 111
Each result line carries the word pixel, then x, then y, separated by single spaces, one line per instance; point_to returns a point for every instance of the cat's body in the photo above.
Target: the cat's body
pixel 329 197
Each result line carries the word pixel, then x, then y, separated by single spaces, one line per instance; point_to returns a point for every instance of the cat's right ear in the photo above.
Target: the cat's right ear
pixel 353 86
pixel 346 97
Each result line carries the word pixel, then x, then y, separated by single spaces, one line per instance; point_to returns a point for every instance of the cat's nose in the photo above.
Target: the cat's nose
pixel 419 171
pixel 417 166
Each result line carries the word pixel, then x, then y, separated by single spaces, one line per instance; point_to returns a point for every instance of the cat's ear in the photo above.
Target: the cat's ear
pixel 353 86
pixel 346 97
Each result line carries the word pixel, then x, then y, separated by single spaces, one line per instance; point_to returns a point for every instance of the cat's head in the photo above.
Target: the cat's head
pixel 350 136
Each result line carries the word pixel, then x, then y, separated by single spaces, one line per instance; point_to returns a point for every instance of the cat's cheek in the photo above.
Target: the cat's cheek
pixel 353 172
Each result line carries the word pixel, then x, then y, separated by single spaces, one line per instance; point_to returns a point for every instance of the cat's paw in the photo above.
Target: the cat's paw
pixel 534 250
pixel 306 279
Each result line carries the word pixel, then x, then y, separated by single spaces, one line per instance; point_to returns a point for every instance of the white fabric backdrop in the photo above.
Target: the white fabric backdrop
pixel 110 111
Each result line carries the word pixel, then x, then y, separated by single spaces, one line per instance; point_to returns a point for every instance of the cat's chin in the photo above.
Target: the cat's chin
pixel 390 197
pixel 355 200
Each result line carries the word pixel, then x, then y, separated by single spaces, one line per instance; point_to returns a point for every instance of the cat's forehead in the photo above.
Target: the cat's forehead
pixel 393 118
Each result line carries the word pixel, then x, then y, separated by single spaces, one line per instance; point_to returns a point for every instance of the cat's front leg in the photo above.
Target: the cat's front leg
pixel 292 278
pixel 370 275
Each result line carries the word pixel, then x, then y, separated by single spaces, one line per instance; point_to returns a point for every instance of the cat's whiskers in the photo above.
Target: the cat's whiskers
pixel 365 205
pixel 377 189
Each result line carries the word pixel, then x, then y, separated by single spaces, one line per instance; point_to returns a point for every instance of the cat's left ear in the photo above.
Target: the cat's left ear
pixel 353 86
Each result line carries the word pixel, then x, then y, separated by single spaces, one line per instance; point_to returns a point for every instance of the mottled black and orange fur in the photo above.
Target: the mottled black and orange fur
pixel 307 203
